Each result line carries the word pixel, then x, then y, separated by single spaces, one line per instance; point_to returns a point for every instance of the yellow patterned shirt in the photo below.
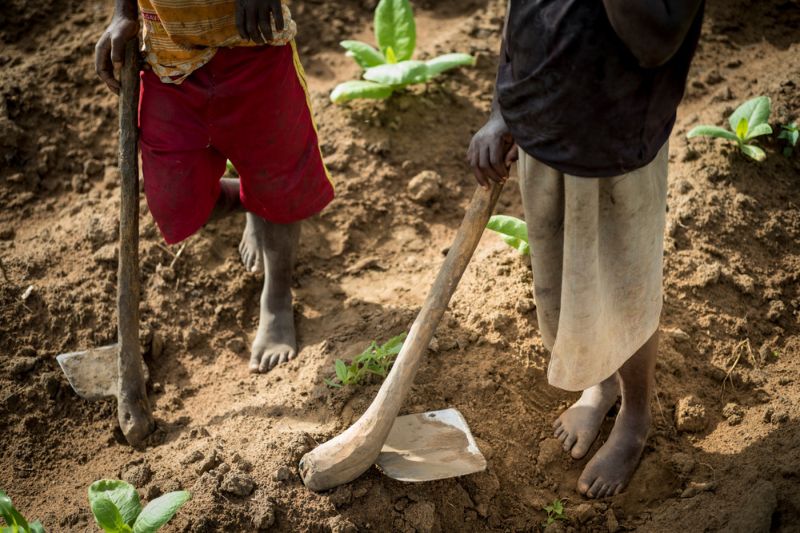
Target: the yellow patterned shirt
pixel 180 36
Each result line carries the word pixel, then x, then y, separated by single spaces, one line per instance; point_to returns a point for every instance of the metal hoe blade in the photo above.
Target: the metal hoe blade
pixel 93 373
pixel 429 446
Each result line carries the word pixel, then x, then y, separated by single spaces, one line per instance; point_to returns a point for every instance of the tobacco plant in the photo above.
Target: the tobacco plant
pixel 15 522
pixel 375 360
pixel 391 67
pixel 117 509
pixel 789 133
pixel 512 230
pixel 750 120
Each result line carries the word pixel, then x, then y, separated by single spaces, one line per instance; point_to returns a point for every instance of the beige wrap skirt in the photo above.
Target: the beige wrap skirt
pixel 597 249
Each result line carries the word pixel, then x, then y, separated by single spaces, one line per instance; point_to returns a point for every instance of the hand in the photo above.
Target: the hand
pixel 253 17
pixel 492 151
pixel 109 53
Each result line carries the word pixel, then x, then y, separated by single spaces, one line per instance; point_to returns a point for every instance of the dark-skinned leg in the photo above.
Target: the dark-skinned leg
pixel 610 470
pixel 276 246
pixel 275 341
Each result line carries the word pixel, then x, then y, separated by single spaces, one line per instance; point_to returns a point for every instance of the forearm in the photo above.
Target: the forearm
pixel 502 61
pixel 653 30
pixel 126 8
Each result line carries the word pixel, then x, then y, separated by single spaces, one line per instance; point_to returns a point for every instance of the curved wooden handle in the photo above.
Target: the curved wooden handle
pixel 351 453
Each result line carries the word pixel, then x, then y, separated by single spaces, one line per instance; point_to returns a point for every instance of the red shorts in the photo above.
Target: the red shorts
pixel 249 105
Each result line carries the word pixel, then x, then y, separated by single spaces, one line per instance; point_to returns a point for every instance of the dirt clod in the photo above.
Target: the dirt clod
pixel 424 187
pixel 238 484
pixel 690 415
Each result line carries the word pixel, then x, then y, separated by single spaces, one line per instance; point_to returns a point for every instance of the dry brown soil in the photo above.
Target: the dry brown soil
pixel 731 324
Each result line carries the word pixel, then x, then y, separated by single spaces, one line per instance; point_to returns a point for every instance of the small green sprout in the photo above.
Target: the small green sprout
pixel 117 509
pixel 512 230
pixel 789 133
pixel 750 120
pixel 555 511
pixel 230 169
pixel 375 360
pixel 15 522
pixel 391 68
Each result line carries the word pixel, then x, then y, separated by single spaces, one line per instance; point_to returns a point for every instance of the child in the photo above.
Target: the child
pixel 223 81
pixel 588 92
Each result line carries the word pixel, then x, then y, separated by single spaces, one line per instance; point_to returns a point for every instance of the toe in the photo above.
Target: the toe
pixel 569 442
pixel 273 360
pixel 617 489
pixel 255 359
pixel 264 366
pixel 558 431
pixel 563 436
pixel 283 358
pixel 594 489
pixel 292 355
pixel 557 423
pixel 603 491
pixel 580 449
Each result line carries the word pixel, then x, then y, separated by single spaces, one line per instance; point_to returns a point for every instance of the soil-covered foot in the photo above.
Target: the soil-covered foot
pixel 610 470
pixel 578 426
pixel 275 339
pixel 251 247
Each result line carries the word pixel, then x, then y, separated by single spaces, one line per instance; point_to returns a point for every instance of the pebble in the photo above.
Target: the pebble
pixel 690 415
pixel 549 451
pixel 282 473
pixel 138 475
pixel 264 516
pixel 585 512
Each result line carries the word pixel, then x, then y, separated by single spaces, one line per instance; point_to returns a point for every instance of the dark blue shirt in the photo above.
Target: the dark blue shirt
pixel 575 97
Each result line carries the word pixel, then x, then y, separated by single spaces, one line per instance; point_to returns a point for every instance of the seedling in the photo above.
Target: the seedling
pixel 512 230
pixel 231 169
pixel 117 509
pixel 375 360
pixel 555 511
pixel 789 133
pixel 749 121
pixel 15 522
pixel 390 68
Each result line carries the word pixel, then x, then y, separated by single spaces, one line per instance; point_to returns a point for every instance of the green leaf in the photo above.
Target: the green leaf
pixel 741 129
pixel 37 527
pixel 365 55
pixel 512 230
pixel 790 134
pixel 333 384
pixel 394 345
pixel 756 111
pixel 107 515
pixel 758 131
pixel 712 131
pixel 159 511
pixel 395 27
pixel 753 152
pixel 390 55
pixel 448 61
pixel 341 370
pixel 398 74
pixel 351 90
pixel 10 514
pixel 122 494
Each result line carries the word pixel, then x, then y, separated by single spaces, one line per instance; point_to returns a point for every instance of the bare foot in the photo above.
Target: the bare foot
pixel 610 470
pixel 578 426
pixel 275 340
pixel 251 246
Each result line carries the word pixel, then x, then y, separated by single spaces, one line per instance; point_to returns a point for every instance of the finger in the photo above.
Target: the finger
pixel 512 155
pixel 277 15
pixel 479 177
pixel 264 27
pixel 102 64
pixel 241 21
pixel 252 23
pixel 497 161
pixel 117 50
pixel 486 166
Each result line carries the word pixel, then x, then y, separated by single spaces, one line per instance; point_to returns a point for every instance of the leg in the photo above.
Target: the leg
pixel 578 426
pixel 611 468
pixel 275 341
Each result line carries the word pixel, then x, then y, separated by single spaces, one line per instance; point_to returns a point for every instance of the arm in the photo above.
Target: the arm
pixel 492 149
pixel 253 19
pixel 110 50
pixel 653 30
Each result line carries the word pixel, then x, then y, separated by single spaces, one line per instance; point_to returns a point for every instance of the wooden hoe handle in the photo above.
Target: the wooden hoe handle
pixel 350 454
pixel 133 408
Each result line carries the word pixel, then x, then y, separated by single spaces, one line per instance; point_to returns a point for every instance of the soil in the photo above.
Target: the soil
pixel 724 453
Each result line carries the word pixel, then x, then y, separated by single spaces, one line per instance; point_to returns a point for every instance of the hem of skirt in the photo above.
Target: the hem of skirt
pixel 572 385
